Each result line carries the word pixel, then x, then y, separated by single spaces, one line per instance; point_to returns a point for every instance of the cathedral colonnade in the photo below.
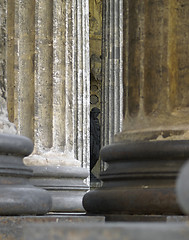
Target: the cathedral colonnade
pixel 45 66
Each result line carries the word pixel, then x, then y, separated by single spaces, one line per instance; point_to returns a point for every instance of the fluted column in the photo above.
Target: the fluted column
pixel 112 68
pixel 52 89
pixel 155 71
pixel 17 195
pixel 5 125
pixel 145 159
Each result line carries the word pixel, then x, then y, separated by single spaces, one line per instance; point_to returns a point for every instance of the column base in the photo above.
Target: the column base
pixel 182 188
pixel 65 185
pixel 17 195
pixel 140 179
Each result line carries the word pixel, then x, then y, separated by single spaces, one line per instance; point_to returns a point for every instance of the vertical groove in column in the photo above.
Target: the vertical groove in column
pixel 82 83
pixel 112 85
pixel 3 107
pixel 86 86
pixel 80 78
pixel 120 69
pixel 178 54
pixel 69 76
pixel 43 74
pixel 24 65
pixel 136 41
pixel 103 72
pixel 155 68
pixel 75 74
pixel 118 82
pixel 5 125
pixel 10 57
pixel 125 57
pixel 105 75
pixel 59 69
pixel 3 57
pixel 111 71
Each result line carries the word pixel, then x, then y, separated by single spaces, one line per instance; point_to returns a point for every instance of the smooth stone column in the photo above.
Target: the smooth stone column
pixel 144 161
pixel 52 87
pixel 17 195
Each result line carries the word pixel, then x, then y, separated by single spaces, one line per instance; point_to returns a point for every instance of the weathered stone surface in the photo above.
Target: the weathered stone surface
pixel 5 125
pixel 107 231
pixel 13 227
pixel 48 93
pixel 155 70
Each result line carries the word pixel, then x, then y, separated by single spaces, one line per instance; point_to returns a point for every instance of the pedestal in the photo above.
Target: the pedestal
pixel 17 195
pixel 140 179
pixel 65 185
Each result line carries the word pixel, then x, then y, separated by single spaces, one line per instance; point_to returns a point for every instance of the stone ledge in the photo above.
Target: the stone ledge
pixel 96 231
pixel 11 228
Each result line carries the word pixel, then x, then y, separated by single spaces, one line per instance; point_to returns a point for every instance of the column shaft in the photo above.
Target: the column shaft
pixel 43 75
pixel 155 50
pixel 112 81
pixel 24 66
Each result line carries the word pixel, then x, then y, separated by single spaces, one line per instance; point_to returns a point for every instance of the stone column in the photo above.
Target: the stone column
pixel 17 196
pixel 145 159
pixel 112 80
pixel 52 76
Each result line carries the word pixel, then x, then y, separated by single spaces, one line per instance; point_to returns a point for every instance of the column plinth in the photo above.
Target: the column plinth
pixel 18 196
pixel 144 161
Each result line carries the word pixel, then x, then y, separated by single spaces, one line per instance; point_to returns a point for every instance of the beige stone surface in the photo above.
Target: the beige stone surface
pixel 156 41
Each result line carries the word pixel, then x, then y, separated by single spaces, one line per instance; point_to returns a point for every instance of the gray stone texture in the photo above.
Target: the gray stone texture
pixel 17 195
pixel 65 185
pixel 129 231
